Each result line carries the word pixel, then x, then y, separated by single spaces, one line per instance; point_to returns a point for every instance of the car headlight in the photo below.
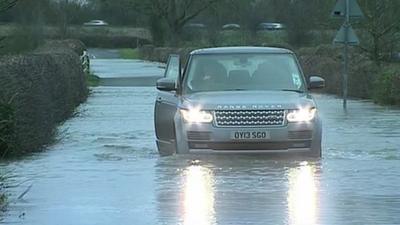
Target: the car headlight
pixel 196 116
pixel 301 115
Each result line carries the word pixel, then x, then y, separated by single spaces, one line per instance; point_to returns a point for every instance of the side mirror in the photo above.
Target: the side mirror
pixel 166 84
pixel 316 82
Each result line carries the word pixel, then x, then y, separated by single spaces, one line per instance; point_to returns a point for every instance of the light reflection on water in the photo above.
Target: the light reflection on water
pixel 302 195
pixel 198 200
pixel 198 197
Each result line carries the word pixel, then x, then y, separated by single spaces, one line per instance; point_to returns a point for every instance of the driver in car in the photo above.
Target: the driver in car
pixel 208 74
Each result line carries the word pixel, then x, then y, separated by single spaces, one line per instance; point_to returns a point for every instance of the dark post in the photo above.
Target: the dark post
pixel 346 57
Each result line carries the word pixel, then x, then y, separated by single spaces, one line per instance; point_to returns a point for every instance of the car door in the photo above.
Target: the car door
pixel 166 103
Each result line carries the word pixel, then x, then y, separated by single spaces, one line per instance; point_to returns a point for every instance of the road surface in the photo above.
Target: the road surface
pixel 105 170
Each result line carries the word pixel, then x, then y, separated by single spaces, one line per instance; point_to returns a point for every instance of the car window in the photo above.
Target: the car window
pixel 243 72
pixel 172 70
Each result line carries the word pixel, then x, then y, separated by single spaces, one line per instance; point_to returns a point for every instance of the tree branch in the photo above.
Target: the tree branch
pixel 389 28
pixel 197 12
pixel 7 4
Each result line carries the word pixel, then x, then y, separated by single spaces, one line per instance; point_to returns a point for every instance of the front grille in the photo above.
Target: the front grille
pixel 243 118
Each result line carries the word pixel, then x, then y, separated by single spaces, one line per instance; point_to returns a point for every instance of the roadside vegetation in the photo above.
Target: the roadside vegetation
pixel 129 53
pixel 92 80
pixel 387 89
pixel 38 90
pixel 7 121
pixel 41 81
pixel 7 127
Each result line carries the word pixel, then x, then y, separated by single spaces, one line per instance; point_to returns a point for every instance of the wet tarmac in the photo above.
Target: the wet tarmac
pixel 117 72
pixel 105 170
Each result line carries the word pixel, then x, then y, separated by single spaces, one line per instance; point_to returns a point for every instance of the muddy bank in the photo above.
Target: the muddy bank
pixel 38 90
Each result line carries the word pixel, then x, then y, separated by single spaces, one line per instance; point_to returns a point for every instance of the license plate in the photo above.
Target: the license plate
pixel 250 135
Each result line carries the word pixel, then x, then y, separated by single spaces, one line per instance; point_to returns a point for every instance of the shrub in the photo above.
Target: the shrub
pixel 387 85
pixel 272 38
pixel 45 87
pixel 7 128
pixel 233 38
pixel 362 77
pixel 22 39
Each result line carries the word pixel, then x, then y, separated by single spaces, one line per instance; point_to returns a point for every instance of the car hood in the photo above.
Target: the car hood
pixel 231 100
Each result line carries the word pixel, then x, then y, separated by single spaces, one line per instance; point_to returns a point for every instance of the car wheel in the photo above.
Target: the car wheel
pixel 166 149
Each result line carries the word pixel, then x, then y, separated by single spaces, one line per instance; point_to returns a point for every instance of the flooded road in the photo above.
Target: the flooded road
pixel 105 170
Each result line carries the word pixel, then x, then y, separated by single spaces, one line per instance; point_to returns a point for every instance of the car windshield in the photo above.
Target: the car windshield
pixel 241 72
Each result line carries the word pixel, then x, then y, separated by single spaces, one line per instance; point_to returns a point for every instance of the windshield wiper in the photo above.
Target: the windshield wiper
pixel 292 90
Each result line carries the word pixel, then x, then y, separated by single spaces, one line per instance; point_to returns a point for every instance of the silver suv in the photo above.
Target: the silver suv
pixel 237 100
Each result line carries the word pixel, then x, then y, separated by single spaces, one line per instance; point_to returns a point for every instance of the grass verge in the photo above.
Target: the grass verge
pixel 92 80
pixel 129 53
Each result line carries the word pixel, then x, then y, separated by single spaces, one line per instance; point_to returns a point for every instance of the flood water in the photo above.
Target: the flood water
pixel 105 170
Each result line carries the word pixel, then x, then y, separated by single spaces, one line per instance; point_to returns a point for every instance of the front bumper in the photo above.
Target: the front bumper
pixel 291 137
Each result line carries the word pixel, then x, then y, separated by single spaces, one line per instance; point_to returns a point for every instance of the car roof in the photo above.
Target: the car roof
pixel 241 50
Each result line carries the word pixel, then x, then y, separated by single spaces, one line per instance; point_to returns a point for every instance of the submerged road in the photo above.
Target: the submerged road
pixel 105 170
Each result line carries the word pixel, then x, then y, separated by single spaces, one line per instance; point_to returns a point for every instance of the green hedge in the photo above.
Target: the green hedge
pixel 326 61
pixel 38 90
pixel 387 86
pixel 7 127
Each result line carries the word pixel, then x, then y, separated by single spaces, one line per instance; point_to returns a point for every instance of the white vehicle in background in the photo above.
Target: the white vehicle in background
pixel 271 26
pixel 96 23
pixel 231 26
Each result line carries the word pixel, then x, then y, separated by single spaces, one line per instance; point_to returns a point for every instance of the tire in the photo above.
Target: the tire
pixel 166 149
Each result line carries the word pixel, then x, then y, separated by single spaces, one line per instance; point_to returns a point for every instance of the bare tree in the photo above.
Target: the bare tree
pixel 7 4
pixel 4 6
pixel 382 25
pixel 177 13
